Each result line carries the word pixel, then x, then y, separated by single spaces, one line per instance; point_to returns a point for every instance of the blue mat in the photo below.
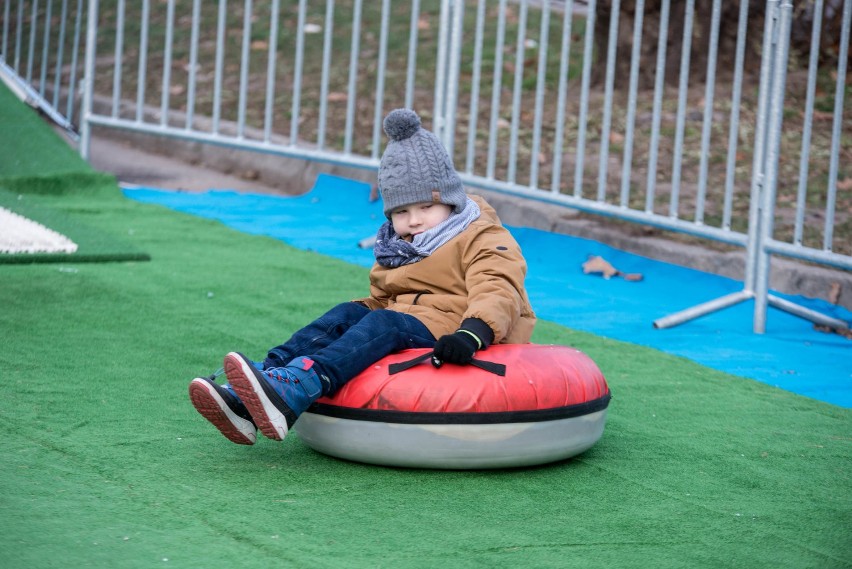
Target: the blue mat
pixel 336 214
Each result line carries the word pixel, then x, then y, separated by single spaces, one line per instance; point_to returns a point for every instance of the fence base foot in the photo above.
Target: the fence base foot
pixel 737 297
pixel 703 309
pixel 806 313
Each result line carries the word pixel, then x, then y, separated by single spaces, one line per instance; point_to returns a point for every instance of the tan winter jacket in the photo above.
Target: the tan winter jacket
pixel 477 274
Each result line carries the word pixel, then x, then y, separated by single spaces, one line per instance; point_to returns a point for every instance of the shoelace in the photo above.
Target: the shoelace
pixel 215 374
pixel 276 374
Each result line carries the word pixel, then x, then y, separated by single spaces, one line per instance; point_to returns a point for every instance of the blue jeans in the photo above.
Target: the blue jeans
pixel 348 339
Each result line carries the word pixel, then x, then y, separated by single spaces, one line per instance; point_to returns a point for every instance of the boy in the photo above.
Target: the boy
pixel 447 276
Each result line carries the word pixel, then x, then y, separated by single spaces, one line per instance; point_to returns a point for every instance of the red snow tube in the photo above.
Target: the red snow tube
pixel 550 405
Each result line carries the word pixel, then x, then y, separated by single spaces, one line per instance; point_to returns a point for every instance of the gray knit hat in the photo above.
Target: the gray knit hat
pixel 415 167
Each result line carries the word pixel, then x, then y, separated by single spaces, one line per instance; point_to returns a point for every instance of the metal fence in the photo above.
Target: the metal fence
pixel 526 96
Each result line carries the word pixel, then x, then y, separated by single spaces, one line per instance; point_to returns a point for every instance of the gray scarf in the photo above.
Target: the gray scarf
pixel 393 251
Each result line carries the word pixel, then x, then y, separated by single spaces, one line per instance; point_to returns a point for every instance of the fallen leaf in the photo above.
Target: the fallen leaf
pixel 834 293
pixel 598 265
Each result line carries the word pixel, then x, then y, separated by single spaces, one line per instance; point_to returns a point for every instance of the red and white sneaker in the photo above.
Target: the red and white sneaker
pixel 221 406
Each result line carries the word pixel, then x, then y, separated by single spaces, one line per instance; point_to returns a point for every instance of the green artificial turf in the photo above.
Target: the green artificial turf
pixel 68 218
pixel 107 464
pixel 37 168
pixel 29 148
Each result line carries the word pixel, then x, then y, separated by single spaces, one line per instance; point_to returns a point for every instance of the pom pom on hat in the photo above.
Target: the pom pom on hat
pixel 415 166
pixel 401 124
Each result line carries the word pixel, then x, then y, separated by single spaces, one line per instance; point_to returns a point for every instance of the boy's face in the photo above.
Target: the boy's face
pixel 413 219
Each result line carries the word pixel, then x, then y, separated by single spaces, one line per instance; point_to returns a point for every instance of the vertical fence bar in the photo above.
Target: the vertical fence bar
pixel 167 64
pixel 412 54
pixel 707 123
pixel 659 89
pixel 773 137
pixel 57 75
pixel 88 78
pixel 4 46
pixel 33 33
pixel 588 54
pixel 606 127
pixel 683 91
pixel 19 32
pixel 496 88
pixel 45 47
pixel 760 142
pixel 474 87
pixel 440 68
pixel 296 109
pixel 220 62
pixel 627 163
pixel 75 48
pixel 242 101
pixel 143 61
pixel 837 124
pixel 441 71
pixel 541 81
pixel 734 126
pixel 193 63
pixel 380 80
pixel 118 58
pixel 328 34
pixel 562 95
pixel 520 48
pixel 804 156
pixel 271 60
pixel 353 76
pixel 452 92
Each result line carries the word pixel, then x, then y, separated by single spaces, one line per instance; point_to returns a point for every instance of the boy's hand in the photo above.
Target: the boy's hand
pixel 457 348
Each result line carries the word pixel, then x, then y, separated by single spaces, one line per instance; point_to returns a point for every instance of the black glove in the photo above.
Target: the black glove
pixel 457 348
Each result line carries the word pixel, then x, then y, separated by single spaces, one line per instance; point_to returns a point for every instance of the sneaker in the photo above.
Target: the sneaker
pixel 275 397
pixel 222 407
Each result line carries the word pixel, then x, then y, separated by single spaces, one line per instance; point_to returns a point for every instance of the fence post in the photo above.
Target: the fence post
pixel 439 100
pixel 88 79
pixel 769 170
pixel 451 93
pixel 447 72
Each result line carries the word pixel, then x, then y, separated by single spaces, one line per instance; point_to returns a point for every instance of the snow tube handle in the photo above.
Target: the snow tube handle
pixel 491 367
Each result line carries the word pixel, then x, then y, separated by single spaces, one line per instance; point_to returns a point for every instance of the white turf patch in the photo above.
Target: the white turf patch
pixel 21 235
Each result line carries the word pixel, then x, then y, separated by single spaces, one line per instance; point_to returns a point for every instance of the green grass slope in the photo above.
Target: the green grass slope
pixel 37 168
pixel 69 219
pixel 30 150
pixel 106 463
